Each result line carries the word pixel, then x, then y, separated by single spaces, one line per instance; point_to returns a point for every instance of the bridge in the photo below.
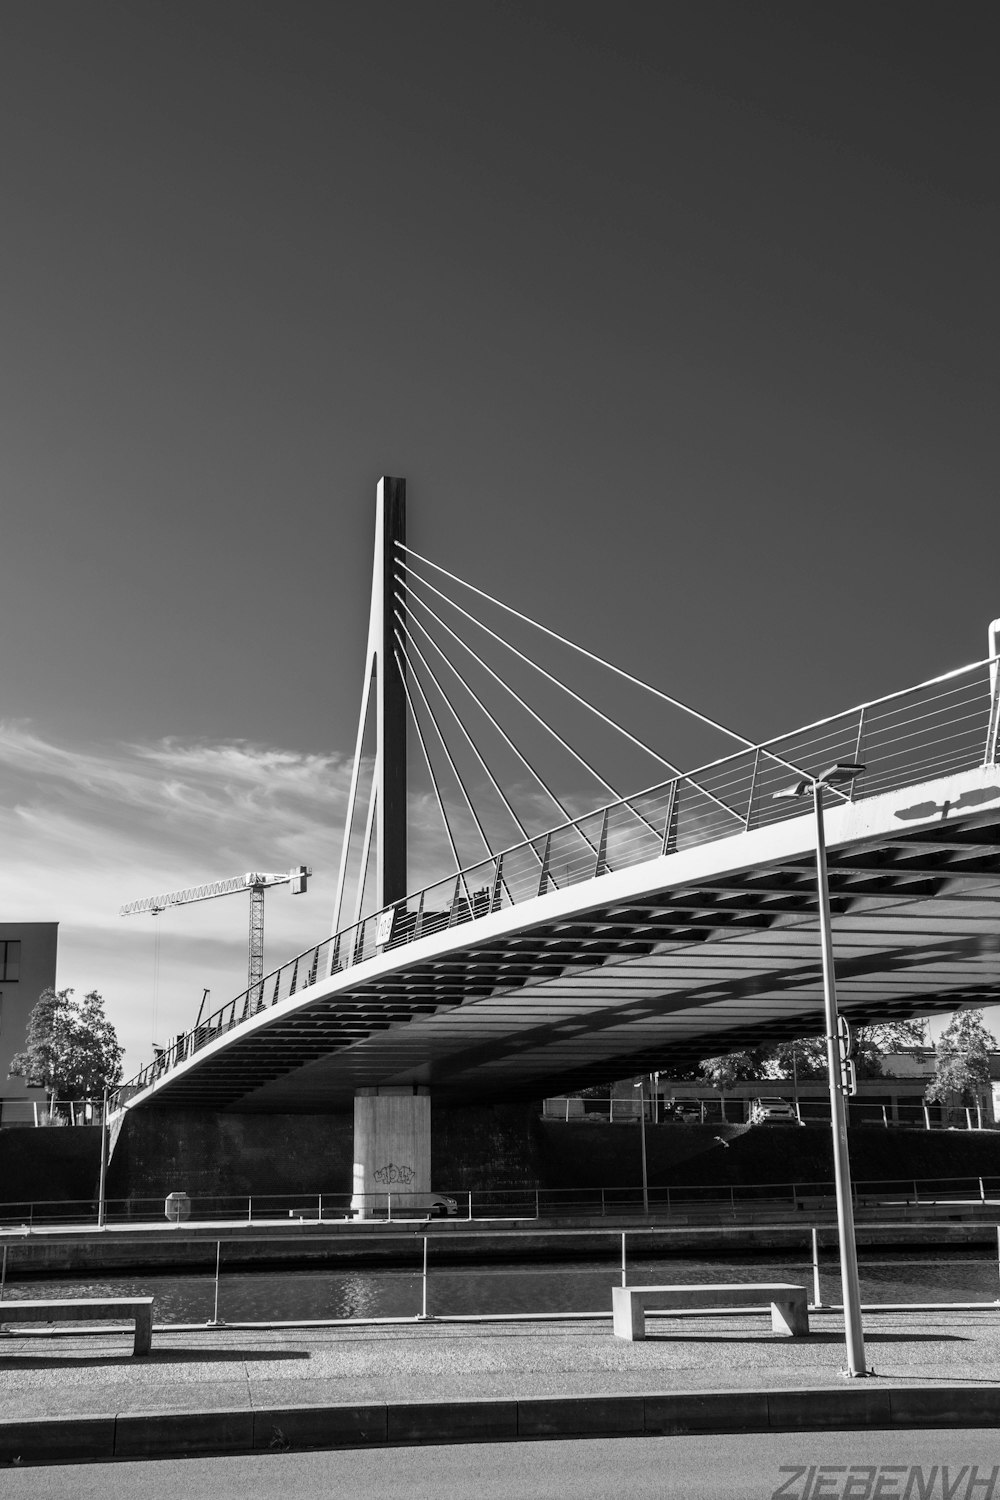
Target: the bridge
pixel 658 928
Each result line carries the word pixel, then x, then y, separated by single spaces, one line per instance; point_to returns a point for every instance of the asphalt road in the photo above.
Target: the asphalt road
pixel 952 1465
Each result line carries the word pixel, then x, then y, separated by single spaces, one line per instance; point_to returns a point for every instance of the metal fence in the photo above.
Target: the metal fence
pixel 539 1273
pixel 735 1110
pixel 937 728
pixel 714 1203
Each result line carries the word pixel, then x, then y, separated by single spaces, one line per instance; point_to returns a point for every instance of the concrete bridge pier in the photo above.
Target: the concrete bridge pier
pixel 392 1151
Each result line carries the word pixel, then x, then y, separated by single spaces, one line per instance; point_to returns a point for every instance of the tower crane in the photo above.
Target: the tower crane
pixel 254 882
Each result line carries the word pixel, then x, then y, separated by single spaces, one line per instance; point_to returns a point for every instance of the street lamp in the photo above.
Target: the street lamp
pixel 641 1086
pixel 841 774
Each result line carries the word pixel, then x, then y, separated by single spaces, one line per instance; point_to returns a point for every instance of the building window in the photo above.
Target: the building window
pixel 10 961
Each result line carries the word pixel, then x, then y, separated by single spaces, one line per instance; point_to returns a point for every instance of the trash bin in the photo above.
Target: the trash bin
pixel 177 1207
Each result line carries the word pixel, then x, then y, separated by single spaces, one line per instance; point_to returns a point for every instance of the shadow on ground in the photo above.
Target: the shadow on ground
pixel 32 1360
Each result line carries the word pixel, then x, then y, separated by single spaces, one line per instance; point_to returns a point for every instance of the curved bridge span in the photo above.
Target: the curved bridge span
pixel 669 926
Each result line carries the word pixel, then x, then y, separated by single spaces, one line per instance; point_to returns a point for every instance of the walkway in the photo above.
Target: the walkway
pixel 231 1389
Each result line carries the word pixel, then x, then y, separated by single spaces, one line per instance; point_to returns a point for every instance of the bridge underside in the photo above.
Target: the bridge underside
pixel 684 957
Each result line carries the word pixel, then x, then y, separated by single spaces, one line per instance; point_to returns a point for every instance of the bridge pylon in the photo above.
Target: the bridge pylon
pixel 392 1126
pixel 385 825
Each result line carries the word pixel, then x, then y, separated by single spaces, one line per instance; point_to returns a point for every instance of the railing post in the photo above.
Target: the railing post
pixel 623 1258
pixel 250 1210
pixel 601 857
pixel 817 1298
pixel 753 788
pixel 319 1208
pixel 3 1273
pixel 927 1118
pixel 470 1205
pixel 496 898
pixel 102 1181
pixel 668 823
pixel 536 1203
pixel 218 1259
pixel 991 728
pixel 885 1118
pixel 857 749
pixel 423 1298
pixel 982 1191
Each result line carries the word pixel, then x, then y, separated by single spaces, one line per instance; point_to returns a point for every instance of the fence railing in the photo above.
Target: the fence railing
pixel 39 1112
pixel 734 1110
pixel 715 1203
pixel 937 728
pixel 560 1271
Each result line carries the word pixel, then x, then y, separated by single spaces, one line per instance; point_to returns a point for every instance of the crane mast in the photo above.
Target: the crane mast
pixel 254 881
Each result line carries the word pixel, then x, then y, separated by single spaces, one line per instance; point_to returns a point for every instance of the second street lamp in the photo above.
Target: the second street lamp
pixel 641 1086
pixel 843 773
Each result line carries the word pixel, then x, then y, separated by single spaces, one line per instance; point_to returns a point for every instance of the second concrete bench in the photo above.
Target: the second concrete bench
pixel 789 1309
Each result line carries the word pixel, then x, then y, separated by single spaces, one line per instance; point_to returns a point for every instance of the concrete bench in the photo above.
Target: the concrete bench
pixel 85 1309
pixel 789 1310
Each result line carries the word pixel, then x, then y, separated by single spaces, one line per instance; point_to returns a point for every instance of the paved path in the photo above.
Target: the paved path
pixel 63 1373
pixel 74 1396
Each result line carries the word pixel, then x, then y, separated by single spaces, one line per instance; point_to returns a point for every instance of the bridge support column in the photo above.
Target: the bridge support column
pixel 392 1151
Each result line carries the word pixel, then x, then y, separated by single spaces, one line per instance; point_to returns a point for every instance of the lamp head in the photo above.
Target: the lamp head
pixel 796 789
pixel 840 773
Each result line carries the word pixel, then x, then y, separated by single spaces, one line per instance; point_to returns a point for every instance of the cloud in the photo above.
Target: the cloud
pixel 87 828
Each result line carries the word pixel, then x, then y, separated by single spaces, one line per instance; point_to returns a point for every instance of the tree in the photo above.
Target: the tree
pixel 804 1058
pixel 962 1060
pixel 72 1050
pixel 732 1067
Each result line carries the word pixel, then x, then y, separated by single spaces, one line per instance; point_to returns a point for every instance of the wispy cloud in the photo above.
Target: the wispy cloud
pixel 86 829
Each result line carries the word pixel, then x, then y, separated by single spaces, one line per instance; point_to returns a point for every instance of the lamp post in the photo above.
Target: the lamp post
pixel 641 1086
pixel 844 772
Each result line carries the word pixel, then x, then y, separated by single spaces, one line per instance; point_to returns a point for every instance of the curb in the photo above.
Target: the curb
pixel 282 1429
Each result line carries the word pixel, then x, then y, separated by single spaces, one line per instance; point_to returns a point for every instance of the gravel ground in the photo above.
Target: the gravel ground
pixel 62 1373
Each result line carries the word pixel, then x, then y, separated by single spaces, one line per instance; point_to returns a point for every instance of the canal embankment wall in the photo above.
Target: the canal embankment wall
pixel 509 1147
pixel 246 1247
pixel 492 1148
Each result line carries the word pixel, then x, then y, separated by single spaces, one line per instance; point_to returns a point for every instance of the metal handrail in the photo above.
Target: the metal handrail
pixel 487 1203
pixel 680 813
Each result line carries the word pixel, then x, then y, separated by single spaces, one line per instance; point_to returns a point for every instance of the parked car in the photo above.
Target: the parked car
pixel 409 1206
pixel 773 1111
pixel 682 1110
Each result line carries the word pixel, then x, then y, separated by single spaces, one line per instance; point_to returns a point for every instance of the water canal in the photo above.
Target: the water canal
pixel 526 1287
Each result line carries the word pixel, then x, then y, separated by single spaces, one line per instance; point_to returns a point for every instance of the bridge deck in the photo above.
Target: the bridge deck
pixel 680 956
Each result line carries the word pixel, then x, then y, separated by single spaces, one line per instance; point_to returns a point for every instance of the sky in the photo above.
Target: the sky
pixel 680 322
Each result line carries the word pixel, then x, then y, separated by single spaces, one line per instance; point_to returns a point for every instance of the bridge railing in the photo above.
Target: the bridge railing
pixel 937 728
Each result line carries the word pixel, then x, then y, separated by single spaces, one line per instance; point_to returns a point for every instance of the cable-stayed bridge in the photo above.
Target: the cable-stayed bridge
pixel 661 927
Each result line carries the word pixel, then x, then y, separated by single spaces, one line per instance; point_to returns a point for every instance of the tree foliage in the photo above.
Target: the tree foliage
pixel 804 1058
pixel 962 1059
pixel 731 1067
pixel 72 1049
